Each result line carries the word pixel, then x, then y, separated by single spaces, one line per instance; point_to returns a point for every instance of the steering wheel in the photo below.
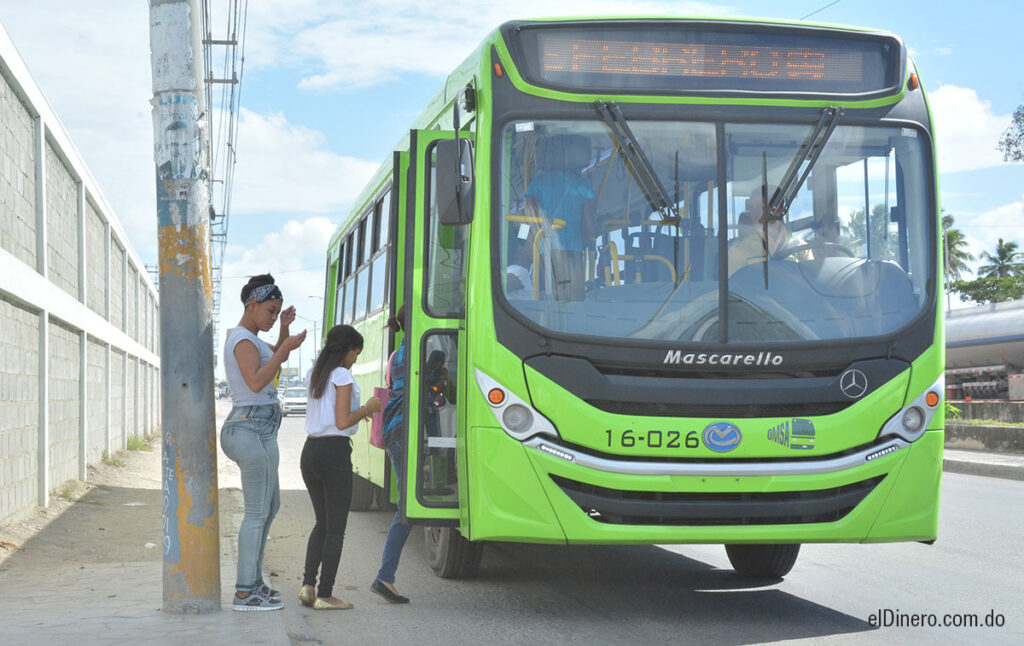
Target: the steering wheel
pixel 834 247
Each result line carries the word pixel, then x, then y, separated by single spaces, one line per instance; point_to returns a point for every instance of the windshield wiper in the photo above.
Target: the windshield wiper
pixel 777 205
pixel 809 152
pixel 637 162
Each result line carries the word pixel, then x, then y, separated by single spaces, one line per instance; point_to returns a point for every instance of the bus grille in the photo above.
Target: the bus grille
pixel 741 411
pixel 745 508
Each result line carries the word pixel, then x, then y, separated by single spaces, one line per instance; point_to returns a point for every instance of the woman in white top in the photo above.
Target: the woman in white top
pixel 249 434
pixel 332 416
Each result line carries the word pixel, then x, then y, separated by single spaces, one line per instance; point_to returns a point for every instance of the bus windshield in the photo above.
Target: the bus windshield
pixel 589 246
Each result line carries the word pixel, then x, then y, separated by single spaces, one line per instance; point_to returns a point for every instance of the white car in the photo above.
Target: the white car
pixel 293 401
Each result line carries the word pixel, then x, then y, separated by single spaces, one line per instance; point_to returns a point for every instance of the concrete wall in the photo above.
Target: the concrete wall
pixel 17 177
pixel 1002 411
pixel 79 369
pixel 19 406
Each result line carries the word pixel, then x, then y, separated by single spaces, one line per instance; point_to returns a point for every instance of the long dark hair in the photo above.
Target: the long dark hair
pixel 341 339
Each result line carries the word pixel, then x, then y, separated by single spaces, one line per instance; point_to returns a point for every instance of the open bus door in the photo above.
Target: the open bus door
pixel 434 297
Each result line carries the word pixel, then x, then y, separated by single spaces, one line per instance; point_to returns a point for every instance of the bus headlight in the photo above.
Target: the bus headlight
pixel 911 422
pixel 517 418
pixel 913 419
pixel 520 420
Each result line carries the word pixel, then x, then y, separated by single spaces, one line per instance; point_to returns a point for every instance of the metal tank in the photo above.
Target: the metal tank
pixel 985 351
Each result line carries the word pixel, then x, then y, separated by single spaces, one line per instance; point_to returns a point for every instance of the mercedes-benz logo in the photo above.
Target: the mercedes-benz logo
pixel 853 383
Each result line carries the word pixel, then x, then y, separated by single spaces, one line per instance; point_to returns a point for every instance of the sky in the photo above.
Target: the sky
pixel 321 107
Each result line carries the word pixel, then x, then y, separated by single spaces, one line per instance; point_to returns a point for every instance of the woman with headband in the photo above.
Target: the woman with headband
pixel 249 434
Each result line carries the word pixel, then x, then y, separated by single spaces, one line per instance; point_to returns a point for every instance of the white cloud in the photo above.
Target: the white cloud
pixel 93 67
pixel 295 255
pixel 984 230
pixel 967 129
pixel 352 44
pixel 935 51
pixel 286 168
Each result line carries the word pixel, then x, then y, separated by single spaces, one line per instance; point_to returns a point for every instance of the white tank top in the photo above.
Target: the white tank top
pixel 241 394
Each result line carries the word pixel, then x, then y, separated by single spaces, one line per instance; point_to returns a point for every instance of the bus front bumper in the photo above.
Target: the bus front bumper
pixel 539 491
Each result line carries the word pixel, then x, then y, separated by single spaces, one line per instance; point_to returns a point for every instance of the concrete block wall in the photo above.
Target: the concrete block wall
pixel 17 177
pixel 64 402
pixel 61 223
pixel 19 406
pixel 96 405
pixel 95 249
pixel 130 383
pixel 131 281
pixel 78 309
pixel 117 285
pixel 116 399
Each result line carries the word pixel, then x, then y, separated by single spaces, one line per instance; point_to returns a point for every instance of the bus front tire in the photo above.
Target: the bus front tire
pixel 450 555
pixel 763 561
pixel 362 494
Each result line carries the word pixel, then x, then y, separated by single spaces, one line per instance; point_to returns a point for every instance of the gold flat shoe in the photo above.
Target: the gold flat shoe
pixel 324 604
pixel 307 596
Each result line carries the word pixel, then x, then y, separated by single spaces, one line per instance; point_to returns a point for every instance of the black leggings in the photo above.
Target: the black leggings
pixel 327 471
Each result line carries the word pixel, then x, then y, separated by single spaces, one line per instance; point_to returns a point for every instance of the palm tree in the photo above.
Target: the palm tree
pixel 1005 263
pixel 955 249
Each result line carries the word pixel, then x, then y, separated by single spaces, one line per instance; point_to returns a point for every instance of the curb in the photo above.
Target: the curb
pixel 1004 471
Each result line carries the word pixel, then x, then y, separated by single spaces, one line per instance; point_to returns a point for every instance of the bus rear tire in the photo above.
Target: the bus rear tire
pixel 763 561
pixel 362 493
pixel 450 555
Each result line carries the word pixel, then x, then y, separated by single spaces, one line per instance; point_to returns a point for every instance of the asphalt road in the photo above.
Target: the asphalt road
pixel 533 594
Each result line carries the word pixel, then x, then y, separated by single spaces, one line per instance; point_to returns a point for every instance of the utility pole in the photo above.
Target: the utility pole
pixel 191 530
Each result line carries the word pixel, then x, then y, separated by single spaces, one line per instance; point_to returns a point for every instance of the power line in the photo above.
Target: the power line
pixel 288 271
pixel 820 10
pixel 222 127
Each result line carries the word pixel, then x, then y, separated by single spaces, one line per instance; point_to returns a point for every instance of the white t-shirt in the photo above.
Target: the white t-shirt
pixel 320 412
pixel 241 395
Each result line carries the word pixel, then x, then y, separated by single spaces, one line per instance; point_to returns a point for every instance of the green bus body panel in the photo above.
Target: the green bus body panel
pixel 582 424
pixel 508 502
pixel 368 461
pixel 912 511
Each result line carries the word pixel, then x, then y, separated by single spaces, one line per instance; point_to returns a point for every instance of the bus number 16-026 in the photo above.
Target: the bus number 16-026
pixel 653 439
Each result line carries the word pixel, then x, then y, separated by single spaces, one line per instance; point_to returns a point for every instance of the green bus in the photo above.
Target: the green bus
pixel 667 280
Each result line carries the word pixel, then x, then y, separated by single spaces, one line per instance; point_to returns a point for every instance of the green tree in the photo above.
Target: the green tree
pixel 1012 142
pixel 955 251
pixel 884 239
pixel 990 290
pixel 1006 262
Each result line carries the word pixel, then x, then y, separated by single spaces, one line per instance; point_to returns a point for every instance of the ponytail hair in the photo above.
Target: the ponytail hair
pixel 341 339
pixel 397 322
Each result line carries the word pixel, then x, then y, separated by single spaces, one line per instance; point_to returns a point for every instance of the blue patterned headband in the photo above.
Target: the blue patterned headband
pixel 263 293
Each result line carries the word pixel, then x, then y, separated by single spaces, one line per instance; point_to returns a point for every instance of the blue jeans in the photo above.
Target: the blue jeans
pixel 249 437
pixel 398 531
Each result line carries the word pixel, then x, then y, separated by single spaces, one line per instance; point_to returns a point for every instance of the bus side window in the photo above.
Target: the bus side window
pixel 446 246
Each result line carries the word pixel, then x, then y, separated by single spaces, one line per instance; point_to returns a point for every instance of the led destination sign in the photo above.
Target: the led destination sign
pixel 723 61
pixel 708 58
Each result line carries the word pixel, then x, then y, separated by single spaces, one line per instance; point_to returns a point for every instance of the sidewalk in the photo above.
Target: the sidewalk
pixel 984 463
pixel 91 572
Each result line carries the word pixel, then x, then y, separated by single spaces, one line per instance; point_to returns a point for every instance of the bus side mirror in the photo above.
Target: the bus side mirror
pixel 455 182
